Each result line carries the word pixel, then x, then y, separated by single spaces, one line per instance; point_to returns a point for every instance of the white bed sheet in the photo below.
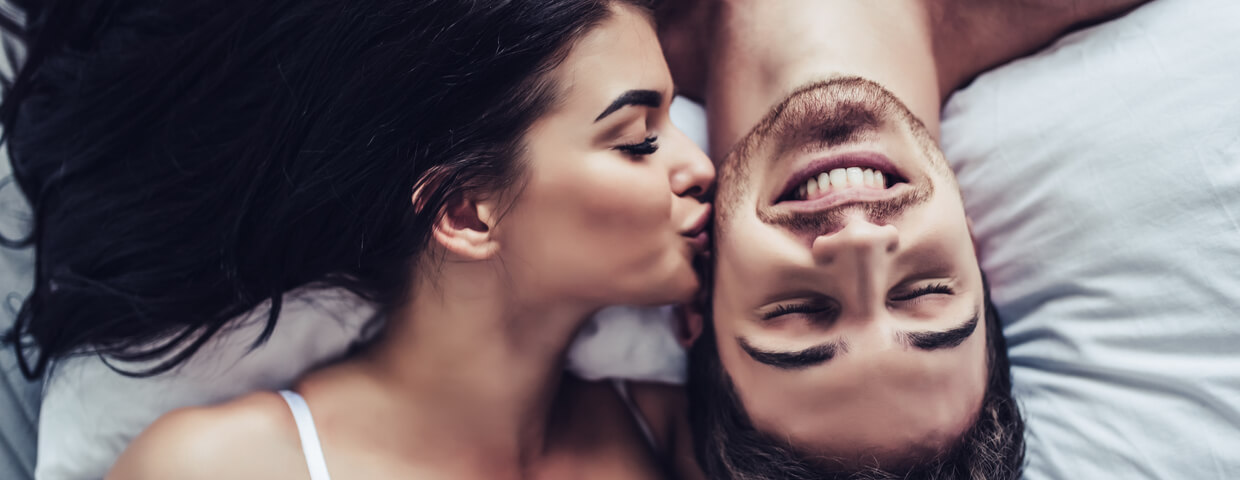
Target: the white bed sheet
pixel 1103 179
pixel 19 398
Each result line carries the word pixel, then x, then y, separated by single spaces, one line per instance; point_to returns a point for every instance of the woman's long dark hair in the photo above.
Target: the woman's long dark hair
pixel 187 160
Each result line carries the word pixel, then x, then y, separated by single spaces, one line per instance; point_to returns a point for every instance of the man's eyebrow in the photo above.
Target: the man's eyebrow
pixel 646 98
pixel 815 355
pixel 937 340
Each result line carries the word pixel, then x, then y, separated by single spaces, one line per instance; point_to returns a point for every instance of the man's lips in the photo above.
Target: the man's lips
pixel 863 160
pixel 843 197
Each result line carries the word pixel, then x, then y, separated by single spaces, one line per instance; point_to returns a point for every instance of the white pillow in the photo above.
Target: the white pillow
pixel 90 413
pixel 1103 179
pixel 19 398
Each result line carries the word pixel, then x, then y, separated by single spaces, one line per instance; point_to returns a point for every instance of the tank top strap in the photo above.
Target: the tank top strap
pixel 310 447
pixel 622 388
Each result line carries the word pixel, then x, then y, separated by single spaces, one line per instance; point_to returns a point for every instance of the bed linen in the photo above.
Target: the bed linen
pixel 1103 179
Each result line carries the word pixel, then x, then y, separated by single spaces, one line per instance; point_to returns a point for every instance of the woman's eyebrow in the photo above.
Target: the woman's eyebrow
pixel 937 340
pixel 815 355
pixel 646 98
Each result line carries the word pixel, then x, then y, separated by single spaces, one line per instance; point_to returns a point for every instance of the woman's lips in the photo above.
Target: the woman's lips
pixel 700 241
pixel 699 224
pixel 698 234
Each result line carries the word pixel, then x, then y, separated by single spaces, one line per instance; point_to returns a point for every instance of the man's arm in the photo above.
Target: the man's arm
pixel 759 51
pixel 972 36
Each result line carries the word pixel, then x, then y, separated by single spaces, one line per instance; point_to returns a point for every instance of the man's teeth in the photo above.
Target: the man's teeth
pixel 855 176
pixel 839 178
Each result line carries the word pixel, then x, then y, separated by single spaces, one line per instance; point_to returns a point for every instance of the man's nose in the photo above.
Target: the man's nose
pixel 860 239
pixel 859 257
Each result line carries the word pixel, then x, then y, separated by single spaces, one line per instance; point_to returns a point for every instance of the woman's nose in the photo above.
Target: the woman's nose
pixel 692 173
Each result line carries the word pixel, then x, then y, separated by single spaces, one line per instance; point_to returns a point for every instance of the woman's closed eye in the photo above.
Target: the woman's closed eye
pixel 646 147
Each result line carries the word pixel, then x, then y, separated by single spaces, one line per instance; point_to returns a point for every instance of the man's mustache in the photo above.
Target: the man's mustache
pixel 823 127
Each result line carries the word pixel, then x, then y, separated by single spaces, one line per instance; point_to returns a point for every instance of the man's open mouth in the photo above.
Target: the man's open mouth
pixel 842 175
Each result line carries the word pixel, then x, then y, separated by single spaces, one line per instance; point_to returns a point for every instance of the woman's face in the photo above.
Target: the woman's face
pixel 612 210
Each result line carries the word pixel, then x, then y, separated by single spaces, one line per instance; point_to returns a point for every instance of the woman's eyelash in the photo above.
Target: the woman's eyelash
pixel 926 290
pixel 647 147
pixel 788 308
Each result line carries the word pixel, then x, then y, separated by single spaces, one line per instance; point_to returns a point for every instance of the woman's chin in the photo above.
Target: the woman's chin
pixel 679 290
pixel 675 284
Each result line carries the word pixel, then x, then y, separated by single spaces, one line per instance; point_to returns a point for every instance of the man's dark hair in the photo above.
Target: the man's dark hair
pixel 729 447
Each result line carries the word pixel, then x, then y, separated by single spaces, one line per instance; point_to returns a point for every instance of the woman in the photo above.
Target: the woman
pixel 489 172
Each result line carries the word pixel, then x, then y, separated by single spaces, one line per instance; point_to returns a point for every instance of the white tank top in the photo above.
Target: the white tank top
pixel 313 450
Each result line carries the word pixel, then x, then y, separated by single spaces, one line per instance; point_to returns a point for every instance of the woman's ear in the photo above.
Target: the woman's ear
pixel 467 226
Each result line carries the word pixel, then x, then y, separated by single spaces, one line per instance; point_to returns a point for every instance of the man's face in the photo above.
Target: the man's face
pixel 848 312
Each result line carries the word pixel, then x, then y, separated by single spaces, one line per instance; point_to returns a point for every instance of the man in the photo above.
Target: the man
pixel 851 328
pixel 860 331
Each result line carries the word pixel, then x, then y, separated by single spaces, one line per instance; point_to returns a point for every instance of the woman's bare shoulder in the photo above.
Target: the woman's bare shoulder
pixel 254 436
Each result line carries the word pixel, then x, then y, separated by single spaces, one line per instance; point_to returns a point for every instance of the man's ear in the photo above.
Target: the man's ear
pixel 467 226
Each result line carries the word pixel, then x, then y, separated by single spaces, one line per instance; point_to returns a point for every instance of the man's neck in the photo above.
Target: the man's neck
pixel 742 56
pixel 761 51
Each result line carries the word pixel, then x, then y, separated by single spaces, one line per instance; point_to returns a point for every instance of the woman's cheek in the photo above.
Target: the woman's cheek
pixel 636 204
